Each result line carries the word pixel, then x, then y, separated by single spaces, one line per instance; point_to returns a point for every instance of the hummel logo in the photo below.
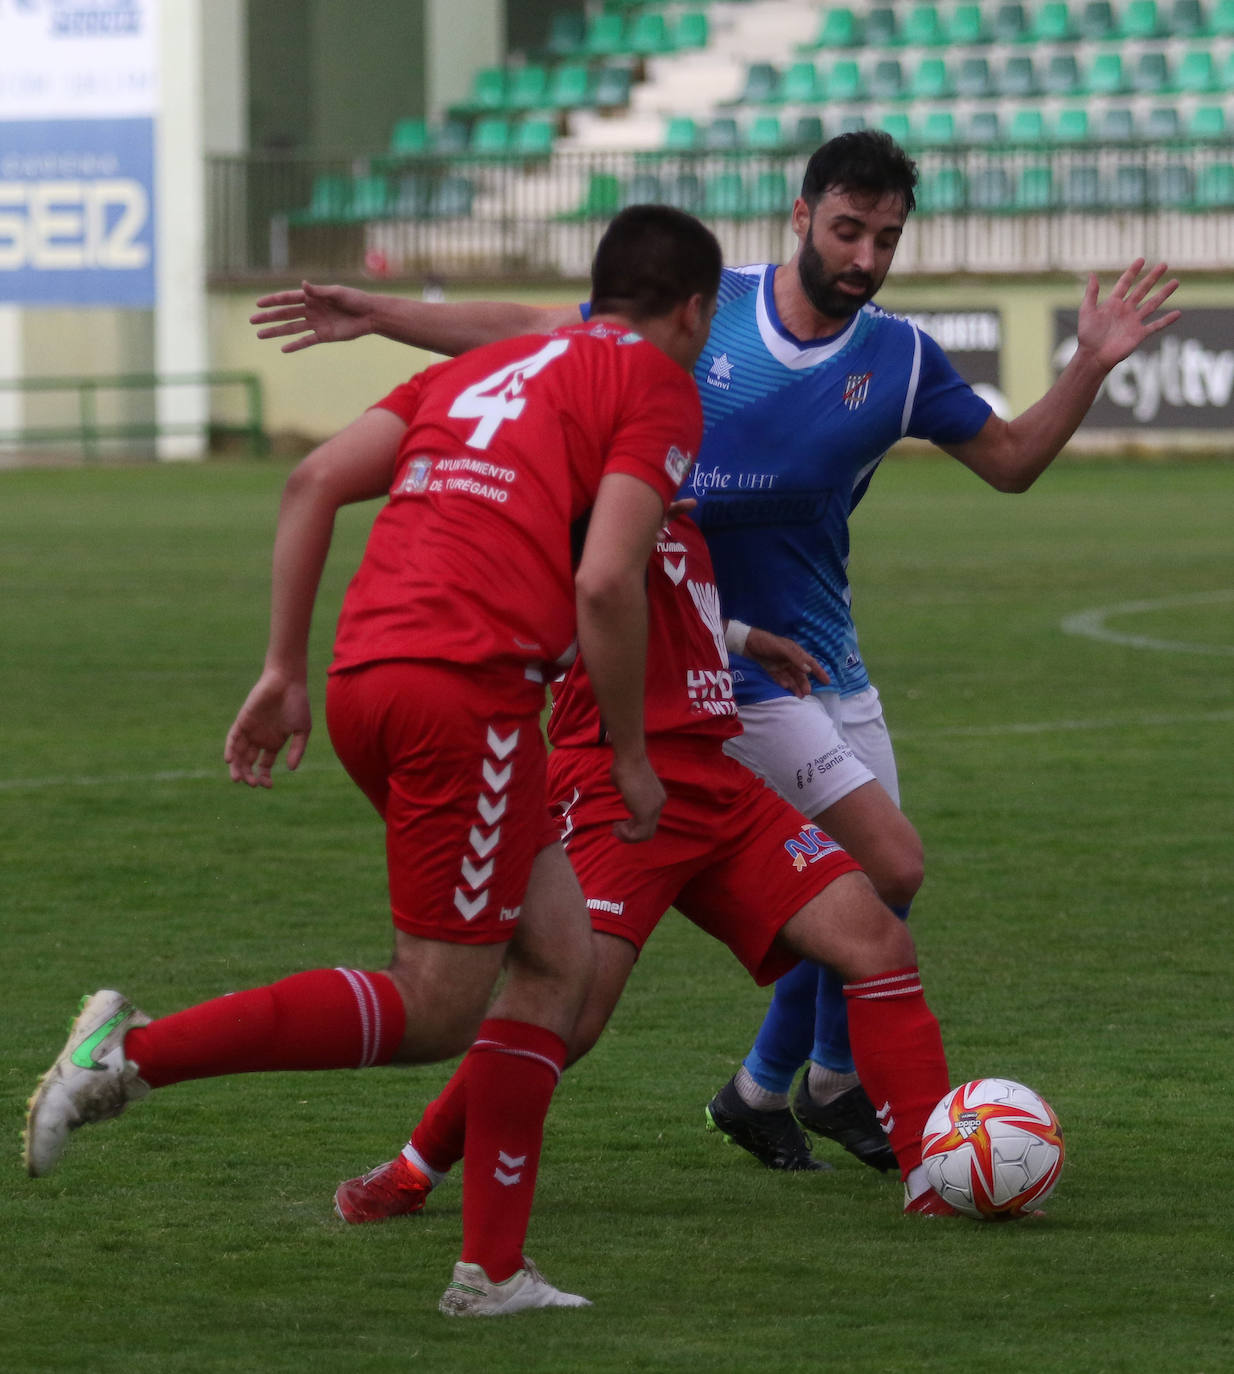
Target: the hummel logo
pixel 469 910
pixel 676 571
pixel 496 778
pixel 83 1055
pixel 501 747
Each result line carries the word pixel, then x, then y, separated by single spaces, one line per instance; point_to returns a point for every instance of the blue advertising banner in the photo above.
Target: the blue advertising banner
pixel 77 212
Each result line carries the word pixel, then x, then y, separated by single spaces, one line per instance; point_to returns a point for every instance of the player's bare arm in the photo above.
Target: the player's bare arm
pixel 335 314
pixel 611 595
pixel 357 464
pixel 784 661
pixel 1011 455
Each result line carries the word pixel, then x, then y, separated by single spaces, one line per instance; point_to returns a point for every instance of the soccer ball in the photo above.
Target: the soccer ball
pixel 993 1149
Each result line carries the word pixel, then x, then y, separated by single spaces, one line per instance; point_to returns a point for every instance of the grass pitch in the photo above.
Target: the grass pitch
pixel 1076 930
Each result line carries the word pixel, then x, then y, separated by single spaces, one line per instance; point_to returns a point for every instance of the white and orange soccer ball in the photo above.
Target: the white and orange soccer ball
pixel 993 1149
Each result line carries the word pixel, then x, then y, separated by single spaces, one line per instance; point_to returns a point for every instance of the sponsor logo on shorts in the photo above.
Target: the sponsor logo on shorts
pixel 815 768
pixel 809 845
pixel 601 904
pixel 510 913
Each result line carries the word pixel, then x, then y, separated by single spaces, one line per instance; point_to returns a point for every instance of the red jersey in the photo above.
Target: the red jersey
pixel 471 559
pixel 689 686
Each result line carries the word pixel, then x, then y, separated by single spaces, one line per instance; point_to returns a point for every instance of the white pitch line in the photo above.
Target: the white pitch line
pixel 125 779
pixel 1092 624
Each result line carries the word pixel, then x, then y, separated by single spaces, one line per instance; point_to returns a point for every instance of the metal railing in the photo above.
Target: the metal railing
pixel 986 209
pixel 91 431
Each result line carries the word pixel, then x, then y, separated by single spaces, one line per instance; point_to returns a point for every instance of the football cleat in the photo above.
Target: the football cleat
pixel 471 1293
pixel 90 1081
pixel 394 1189
pixel 928 1204
pixel 773 1137
pixel 850 1120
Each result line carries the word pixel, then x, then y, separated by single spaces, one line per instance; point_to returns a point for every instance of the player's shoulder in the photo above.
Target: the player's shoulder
pixel 736 282
pixel 884 321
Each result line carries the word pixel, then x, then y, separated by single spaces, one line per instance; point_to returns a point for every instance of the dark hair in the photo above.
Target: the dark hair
pixel 650 259
pixel 868 162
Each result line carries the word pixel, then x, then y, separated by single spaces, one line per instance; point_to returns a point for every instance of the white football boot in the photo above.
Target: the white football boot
pixel 90 1081
pixel 473 1294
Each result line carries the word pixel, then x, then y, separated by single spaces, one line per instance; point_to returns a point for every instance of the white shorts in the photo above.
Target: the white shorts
pixel 815 750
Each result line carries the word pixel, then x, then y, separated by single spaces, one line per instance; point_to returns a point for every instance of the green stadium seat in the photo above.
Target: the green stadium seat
pixel 1150 74
pixel 1026 126
pixel 941 191
pixel 1170 186
pixel 1225 81
pixel 533 138
pixel 1187 19
pixel 885 80
pixel 1010 24
pixel 489 88
pixel 990 190
pixel 807 132
pixel 1221 19
pixel 1129 190
pixel 799 85
pixel 490 137
pixel 1117 124
pixel 847 122
pixel 1139 19
pixel 681 135
pixel 972 80
pixel 1052 23
pixel 937 129
pixel 1034 188
pixel 693 31
pixel 763 134
pixel 649 34
pixel 769 194
pixel 409 138
pixel 896 123
pixel 762 84
pixel 1105 75
pixel 966 26
pixel 684 191
pixel 370 198
pixel 1214 186
pixel 1017 78
pixel 601 199
pixel 1082 187
pixel 720 135
pixel 528 87
pixel 881 27
pixel 605 36
pixel 570 86
pixel 1206 122
pixel 451 198
pixel 923 27
pixel 844 81
pixel 1061 75
pixel 329 201
pixel 724 194
pixel 1096 21
pixel 567 31
pixel 1162 124
pixel 612 88
pixel 840 28
pixel 1071 126
pixel 984 128
pixel 1196 73
pixel 930 80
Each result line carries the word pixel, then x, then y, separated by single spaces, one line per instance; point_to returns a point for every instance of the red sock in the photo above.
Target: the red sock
pixel 511 1072
pixel 439 1136
pixel 325 1019
pixel 898 1050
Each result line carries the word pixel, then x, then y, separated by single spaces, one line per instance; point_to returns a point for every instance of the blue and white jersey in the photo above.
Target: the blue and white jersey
pixel 793 433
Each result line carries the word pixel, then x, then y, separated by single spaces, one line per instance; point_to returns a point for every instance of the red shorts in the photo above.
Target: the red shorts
pixel 728 853
pixel 457 774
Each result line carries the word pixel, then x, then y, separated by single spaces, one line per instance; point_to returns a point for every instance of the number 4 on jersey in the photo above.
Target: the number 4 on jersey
pixel 498 397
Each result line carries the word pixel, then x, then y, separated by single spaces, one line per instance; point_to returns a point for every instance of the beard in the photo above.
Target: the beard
pixel 821 289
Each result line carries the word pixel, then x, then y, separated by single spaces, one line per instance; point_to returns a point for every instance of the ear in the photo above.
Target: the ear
pixel 693 316
pixel 801 219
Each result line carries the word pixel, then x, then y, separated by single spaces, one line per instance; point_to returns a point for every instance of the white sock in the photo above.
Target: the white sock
pixel 417 1161
pixel 756 1096
pixel 825 1085
pixel 916 1183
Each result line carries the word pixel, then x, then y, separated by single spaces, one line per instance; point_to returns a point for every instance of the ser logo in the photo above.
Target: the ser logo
pixel 808 846
pixel 70 225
